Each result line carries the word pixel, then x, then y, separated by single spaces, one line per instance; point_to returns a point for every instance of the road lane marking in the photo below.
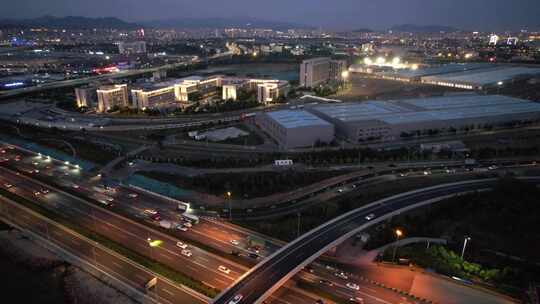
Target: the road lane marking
pixel 166 291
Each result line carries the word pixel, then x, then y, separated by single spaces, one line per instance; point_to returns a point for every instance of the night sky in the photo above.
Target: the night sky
pixel 332 14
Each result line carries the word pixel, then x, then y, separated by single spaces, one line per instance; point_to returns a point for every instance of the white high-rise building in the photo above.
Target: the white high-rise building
pixel 111 96
pixel 493 39
pixel 316 71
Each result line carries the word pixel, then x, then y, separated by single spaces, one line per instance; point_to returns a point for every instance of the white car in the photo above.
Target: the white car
pixel 369 217
pixel 235 242
pixel 133 195
pixel 187 224
pixel 353 286
pixel 7 185
pixel 181 245
pixel 186 253
pixel 75 186
pixel 341 275
pixel 182 228
pixel 224 269
pixel 236 299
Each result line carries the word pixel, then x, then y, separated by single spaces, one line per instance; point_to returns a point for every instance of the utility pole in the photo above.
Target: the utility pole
pixel 465 241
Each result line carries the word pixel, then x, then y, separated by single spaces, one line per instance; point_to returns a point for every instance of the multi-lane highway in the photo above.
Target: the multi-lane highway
pixel 267 276
pixel 99 256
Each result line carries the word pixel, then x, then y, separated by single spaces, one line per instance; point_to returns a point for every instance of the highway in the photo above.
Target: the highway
pixel 262 280
pixel 202 265
pixel 99 256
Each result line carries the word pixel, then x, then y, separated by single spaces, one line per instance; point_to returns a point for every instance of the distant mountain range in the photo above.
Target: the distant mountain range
pixel 413 28
pixel 73 22
pixel 244 22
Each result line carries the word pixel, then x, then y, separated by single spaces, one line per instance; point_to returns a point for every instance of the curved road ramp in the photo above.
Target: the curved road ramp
pixel 265 278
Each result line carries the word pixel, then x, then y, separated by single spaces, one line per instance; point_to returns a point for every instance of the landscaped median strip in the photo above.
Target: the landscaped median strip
pixel 142 261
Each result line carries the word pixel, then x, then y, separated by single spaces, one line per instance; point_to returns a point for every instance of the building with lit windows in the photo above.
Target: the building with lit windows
pixel 131 48
pixel 317 71
pixel 153 96
pixel 112 96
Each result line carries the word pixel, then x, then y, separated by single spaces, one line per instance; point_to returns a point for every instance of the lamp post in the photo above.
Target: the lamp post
pixel 399 233
pixel 465 241
pixel 230 205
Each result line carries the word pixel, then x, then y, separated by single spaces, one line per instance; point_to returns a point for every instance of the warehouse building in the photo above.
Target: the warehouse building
pixel 481 79
pixel 294 129
pixel 392 120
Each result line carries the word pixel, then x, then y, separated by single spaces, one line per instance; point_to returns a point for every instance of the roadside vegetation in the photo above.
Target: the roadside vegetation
pixel 502 225
pixel 247 184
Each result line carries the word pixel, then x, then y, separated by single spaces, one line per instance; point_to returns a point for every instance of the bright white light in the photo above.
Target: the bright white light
pixel 500 83
pixel 66 162
pixel 368 61
pixel 396 61
pixel 381 60
pixel 414 67
pixel 345 74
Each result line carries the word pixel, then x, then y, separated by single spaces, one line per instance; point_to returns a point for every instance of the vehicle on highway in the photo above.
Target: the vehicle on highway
pixel 110 199
pixel 181 245
pixel 37 193
pixel 353 286
pixel 187 224
pixel 181 228
pixel 155 217
pixel 236 299
pixel 341 275
pixel 340 190
pixel 8 185
pixel 326 282
pixel 235 242
pixel 45 191
pixel 106 203
pixel 150 211
pixel 224 269
pixel 133 195
pixel 186 253
pixel 370 216
pixel 75 186
pixel 356 300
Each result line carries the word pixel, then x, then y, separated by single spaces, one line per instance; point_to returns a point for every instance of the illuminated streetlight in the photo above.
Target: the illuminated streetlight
pixel 465 241
pixel 368 61
pixel 396 61
pixel 399 233
pixel 230 204
pixel 345 74
pixel 414 67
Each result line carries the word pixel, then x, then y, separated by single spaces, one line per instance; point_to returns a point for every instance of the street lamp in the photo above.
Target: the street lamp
pixel 465 241
pixel 499 85
pixel 230 204
pixel 399 233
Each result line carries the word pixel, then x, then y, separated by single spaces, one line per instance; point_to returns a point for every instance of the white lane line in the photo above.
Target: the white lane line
pixel 208 284
pixel 168 292
pixel 222 282
pixel 165 256
pixel 374 298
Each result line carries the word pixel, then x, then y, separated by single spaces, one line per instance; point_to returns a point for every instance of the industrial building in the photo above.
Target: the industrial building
pixel 112 96
pixel 317 71
pixel 294 129
pixel 391 120
pixel 481 79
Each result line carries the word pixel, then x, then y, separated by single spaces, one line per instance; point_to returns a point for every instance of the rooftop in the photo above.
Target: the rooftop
pixel 295 119
pixel 436 70
pixel 428 109
pixel 490 76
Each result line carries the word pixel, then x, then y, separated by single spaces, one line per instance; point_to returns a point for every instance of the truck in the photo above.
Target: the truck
pixel 192 218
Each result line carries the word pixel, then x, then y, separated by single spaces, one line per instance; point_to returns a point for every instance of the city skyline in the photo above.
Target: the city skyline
pixel 480 15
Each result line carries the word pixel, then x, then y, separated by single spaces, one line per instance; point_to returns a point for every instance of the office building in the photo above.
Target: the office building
pixel 86 96
pixel 160 95
pixel 112 96
pixel 318 71
pixel 131 48
pixel 295 129
pixel 392 120
pixel 272 91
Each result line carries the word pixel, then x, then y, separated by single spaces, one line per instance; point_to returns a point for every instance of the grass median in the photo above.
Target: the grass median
pixel 154 266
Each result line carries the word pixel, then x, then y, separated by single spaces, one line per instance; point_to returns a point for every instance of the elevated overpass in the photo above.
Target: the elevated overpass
pixel 265 278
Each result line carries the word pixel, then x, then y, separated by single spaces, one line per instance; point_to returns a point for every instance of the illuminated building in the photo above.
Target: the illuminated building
pixel 129 48
pixel 111 96
pixel 316 71
pixel 86 96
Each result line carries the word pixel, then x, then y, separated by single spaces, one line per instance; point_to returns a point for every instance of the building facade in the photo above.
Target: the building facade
pixel 295 129
pixel 131 48
pixel 112 96
pixel 86 97
pixel 317 71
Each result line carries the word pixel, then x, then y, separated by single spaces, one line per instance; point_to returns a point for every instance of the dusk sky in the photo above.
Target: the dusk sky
pixel 335 14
